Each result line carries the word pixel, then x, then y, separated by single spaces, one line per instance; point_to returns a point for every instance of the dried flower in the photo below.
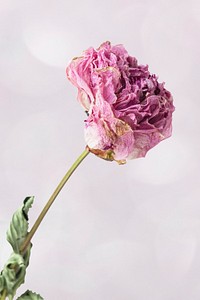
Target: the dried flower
pixel 129 111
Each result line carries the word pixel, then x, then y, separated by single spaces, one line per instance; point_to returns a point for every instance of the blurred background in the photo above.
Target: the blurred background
pixel 115 232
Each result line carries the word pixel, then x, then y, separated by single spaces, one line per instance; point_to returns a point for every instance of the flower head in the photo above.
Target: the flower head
pixel 129 111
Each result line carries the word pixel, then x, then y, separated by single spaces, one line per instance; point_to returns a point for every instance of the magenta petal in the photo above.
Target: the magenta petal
pixel 129 111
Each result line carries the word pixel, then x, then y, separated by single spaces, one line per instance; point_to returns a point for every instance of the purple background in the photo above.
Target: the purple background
pixel 115 232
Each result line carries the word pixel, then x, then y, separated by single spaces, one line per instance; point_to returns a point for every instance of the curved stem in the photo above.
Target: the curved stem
pixel 52 198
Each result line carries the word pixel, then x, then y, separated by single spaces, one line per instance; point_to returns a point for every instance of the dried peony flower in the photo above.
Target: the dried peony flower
pixel 129 111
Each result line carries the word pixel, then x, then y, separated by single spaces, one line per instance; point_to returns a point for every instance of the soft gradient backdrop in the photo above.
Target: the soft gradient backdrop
pixel 115 232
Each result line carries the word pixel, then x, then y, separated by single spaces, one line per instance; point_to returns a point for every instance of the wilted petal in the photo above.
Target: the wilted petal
pixel 129 111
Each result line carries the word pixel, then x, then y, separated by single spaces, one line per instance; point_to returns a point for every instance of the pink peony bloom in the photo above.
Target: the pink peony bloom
pixel 129 111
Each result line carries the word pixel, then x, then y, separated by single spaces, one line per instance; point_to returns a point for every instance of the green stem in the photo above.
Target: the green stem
pixel 52 198
pixel 3 297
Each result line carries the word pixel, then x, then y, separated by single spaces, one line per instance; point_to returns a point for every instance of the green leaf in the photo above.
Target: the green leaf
pixel 14 271
pixel 28 295
pixel 2 283
pixel 19 225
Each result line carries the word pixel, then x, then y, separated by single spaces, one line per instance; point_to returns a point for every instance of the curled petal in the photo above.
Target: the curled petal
pixel 129 111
